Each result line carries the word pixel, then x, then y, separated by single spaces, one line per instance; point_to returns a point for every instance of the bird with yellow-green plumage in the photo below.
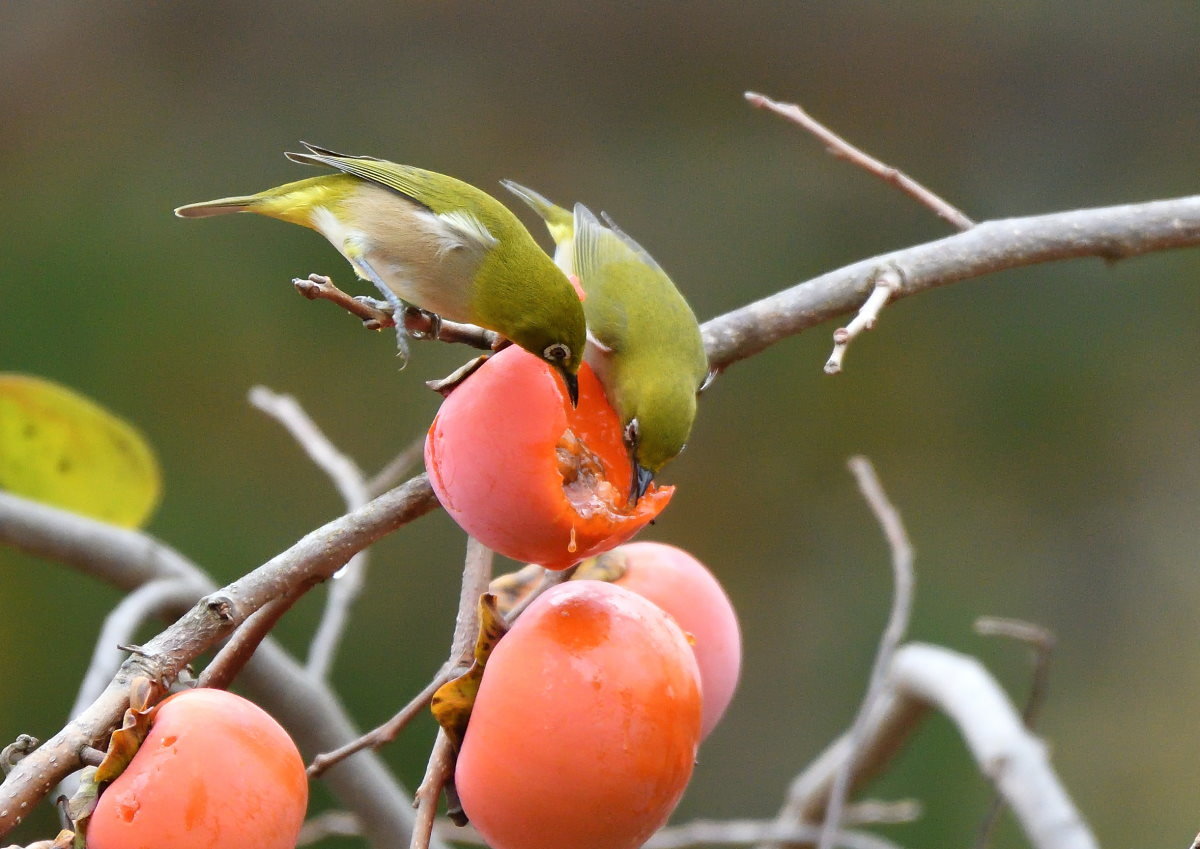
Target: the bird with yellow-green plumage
pixel 432 242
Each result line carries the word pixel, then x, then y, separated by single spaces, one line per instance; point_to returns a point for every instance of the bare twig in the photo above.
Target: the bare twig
pixel 887 281
pixel 328 824
pixel 842 149
pixel 398 468
pixel 387 732
pixel 236 653
pixel 1041 642
pixel 893 634
pixel 477 573
pixel 438 771
pixel 874 812
pixel 550 578
pixel 1114 232
pixel 348 478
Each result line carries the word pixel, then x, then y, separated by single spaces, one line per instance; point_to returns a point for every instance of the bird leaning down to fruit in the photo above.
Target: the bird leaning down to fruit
pixel 643 339
pixel 434 243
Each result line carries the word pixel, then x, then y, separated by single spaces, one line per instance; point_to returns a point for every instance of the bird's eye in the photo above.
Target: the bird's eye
pixel 631 432
pixel 557 351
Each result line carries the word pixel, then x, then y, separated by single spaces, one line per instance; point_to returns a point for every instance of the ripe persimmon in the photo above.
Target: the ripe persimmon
pixel 527 474
pixel 585 727
pixel 215 771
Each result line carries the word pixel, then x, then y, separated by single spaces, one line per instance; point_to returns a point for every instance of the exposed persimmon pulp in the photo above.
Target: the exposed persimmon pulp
pixel 583 480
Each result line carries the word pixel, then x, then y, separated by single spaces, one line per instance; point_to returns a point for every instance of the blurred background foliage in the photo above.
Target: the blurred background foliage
pixel 1037 428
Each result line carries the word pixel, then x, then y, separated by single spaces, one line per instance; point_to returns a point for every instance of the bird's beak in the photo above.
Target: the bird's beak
pixel 572 381
pixel 641 480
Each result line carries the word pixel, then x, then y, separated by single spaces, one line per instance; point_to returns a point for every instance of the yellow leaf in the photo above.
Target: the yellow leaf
pixel 62 449
pixel 453 701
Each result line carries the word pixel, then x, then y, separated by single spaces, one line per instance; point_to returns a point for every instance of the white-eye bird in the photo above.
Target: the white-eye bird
pixel 643 339
pixel 434 243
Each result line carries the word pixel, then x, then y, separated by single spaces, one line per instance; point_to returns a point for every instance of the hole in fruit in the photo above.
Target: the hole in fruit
pixel 128 810
pixel 169 740
pixel 584 484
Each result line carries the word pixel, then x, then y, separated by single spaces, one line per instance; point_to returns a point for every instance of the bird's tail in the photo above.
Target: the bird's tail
pixel 559 222
pixel 221 206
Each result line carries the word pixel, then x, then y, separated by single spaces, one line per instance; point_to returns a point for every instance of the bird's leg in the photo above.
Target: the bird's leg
pixel 398 309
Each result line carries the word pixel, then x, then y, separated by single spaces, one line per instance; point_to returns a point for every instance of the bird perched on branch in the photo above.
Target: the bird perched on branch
pixel 434 243
pixel 643 339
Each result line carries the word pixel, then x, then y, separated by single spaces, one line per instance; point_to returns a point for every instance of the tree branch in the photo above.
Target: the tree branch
pixel 897 625
pixel 128 559
pixel 925 676
pixel 842 149
pixel 1114 232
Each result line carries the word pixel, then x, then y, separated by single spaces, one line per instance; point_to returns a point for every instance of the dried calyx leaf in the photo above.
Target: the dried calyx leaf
pixel 453 701
pixel 144 696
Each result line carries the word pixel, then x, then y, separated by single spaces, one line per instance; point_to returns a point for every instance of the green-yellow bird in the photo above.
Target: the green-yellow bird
pixel 643 339
pixel 434 243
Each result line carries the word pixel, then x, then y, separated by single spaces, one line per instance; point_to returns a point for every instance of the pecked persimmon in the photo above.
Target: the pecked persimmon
pixel 685 588
pixel 215 771
pixel 527 474
pixel 585 727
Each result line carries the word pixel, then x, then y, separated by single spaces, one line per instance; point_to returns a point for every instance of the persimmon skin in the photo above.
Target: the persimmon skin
pixel 685 588
pixel 585 728
pixel 215 771
pixel 492 459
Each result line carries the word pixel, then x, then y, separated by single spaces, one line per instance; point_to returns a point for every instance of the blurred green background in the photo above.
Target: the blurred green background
pixel 1037 428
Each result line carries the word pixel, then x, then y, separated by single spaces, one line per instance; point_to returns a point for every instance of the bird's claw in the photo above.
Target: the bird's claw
pixel 422 324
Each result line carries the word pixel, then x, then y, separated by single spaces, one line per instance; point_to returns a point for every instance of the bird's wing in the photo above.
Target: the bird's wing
pixel 454 225
pixel 609 272
pixel 430 190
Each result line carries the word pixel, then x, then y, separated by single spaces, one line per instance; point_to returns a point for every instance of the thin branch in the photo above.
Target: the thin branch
pixel 477 574
pixel 437 772
pixel 376 315
pixel 332 823
pixel 893 634
pixel 1041 642
pixel 349 480
pixel 842 149
pixel 1114 232
pixel 387 732
pixel 398 468
pixel 236 653
pixel 875 812
pixel 887 282
pixel 550 578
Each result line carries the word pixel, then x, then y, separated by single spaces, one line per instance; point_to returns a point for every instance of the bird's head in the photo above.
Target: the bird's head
pixel 551 327
pixel 658 429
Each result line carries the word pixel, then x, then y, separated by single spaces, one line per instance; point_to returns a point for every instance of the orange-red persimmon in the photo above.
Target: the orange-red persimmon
pixel 215 771
pixel 682 585
pixel 528 475
pixel 586 724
